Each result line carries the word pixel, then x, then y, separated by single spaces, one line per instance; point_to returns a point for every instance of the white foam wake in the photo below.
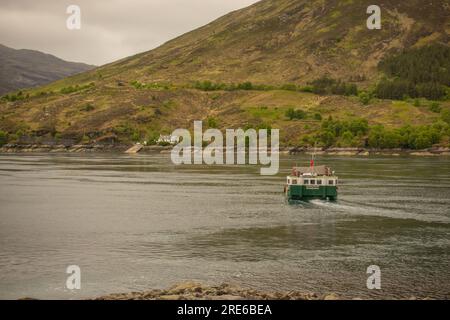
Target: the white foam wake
pixel 356 209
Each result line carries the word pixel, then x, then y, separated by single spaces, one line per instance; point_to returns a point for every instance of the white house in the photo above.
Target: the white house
pixel 168 139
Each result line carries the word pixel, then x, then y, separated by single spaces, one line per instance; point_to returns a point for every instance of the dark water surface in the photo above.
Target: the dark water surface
pixel 137 222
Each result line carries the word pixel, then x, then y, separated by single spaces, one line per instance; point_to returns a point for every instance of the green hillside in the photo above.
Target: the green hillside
pixel 309 68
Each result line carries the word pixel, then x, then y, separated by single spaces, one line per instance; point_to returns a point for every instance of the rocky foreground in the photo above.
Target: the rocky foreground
pixel 196 291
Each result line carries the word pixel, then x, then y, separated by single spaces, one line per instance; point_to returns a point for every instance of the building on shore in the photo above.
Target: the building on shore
pixel 168 139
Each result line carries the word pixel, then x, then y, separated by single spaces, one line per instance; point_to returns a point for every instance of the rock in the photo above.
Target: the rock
pixel 331 296
pixel 170 297
pixel 184 287
pixel 365 153
pixel 422 154
pixel 225 297
pixel 195 291
pixel 343 153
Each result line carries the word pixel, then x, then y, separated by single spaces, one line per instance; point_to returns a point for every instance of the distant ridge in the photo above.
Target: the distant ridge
pixel 24 68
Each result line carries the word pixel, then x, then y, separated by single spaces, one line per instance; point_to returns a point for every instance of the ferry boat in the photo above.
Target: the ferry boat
pixel 313 182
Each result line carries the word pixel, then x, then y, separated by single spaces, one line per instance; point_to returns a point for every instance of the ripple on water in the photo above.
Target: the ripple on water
pixel 136 222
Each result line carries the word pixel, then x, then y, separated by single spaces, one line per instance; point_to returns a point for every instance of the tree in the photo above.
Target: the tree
pixel 364 97
pixel 245 86
pixel 212 122
pixel 435 107
pixel 151 137
pixel 427 64
pixel 289 87
pixel 423 140
pixel 417 72
pixel 358 127
pixel 327 137
pixel 3 138
pixel 136 136
pixel 295 114
pixel 376 137
pixel 445 115
pixel 347 138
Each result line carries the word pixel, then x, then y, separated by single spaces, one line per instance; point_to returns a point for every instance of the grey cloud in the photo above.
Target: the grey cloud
pixel 111 29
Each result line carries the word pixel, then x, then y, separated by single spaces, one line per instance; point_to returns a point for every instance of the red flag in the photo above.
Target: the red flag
pixel 312 163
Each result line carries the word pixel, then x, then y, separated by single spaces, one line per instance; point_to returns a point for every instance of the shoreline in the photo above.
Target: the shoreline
pixel 196 291
pixel 119 148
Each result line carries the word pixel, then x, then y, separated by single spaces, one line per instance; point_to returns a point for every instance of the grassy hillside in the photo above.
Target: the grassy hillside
pixel 286 41
pixel 142 114
pixel 309 68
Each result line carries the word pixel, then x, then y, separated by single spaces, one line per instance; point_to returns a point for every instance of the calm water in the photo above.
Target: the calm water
pixel 138 222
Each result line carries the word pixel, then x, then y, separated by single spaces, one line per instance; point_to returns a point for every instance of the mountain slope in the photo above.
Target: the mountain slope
pixel 28 68
pixel 272 43
pixel 291 41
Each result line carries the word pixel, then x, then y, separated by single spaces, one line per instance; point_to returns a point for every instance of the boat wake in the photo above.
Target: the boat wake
pixel 357 209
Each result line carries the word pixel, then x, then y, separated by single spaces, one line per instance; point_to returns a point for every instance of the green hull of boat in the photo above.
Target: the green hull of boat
pixel 300 192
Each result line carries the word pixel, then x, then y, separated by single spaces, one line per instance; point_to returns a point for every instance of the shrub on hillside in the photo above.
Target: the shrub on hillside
pixel 3 138
pixel 435 107
pixel 445 115
pixel 365 97
pixel 295 114
pixel 87 107
pixel 289 87
pixel 15 96
pixel 212 122
pixel 245 86
pixel 76 88
pixel 326 85
pixel 317 116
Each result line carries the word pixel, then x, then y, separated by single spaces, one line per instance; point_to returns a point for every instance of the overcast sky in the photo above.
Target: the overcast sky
pixel 110 29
